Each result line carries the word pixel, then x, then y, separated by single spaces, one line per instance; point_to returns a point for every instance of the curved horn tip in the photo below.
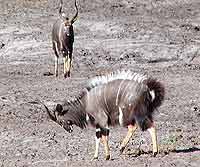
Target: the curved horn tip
pixel 76 14
pixel 50 108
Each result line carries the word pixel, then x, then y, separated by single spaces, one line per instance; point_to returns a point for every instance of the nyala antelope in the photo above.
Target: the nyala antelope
pixel 121 98
pixel 63 39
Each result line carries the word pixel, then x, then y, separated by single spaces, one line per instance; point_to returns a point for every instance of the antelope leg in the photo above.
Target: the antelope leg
pixel 55 48
pixel 69 65
pixel 131 130
pixel 106 146
pixel 65 65
pixel 56 66
pixel 96 148
pixel 97 139
pixel 152 132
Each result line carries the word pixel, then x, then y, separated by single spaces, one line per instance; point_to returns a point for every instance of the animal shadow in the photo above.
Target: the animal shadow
pixel 187 150
pixel 140 152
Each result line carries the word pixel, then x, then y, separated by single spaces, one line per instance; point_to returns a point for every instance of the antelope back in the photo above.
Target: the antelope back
pixel 117 75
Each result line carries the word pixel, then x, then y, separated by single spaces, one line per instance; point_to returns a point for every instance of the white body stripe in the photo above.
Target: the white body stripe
pixel 125 90
pixel 117 97
pixel 105 100
pixel 120 116
pixel 152 93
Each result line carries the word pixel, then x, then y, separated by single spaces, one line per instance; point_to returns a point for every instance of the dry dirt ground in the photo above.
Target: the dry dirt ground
pixel 158 37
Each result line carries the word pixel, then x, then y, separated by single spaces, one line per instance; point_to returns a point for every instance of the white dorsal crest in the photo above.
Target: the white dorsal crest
pixel 119 74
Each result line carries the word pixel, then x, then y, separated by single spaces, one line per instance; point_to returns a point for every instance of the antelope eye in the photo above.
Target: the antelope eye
pixel 69 122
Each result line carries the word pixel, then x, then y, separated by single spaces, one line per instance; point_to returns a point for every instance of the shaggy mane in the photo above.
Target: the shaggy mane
pixel 119 74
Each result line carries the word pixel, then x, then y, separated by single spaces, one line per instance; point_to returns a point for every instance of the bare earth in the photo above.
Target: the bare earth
pixel 158 37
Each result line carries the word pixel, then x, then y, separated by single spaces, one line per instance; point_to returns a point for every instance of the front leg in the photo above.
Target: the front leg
pixel 131 130
pixel 97 139
pixel 65 66
pixel 105 135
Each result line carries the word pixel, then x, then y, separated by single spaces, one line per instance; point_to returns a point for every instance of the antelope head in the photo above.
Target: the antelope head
pixel 63 118
pixel 59 114
pixel 68 22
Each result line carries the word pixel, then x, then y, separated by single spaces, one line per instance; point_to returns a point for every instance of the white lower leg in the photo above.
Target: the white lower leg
pixel 152 132
pixel 97 148
pixel 68 61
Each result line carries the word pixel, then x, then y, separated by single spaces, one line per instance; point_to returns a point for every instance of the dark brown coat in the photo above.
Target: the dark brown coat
pixel 63 39
pixel 122 98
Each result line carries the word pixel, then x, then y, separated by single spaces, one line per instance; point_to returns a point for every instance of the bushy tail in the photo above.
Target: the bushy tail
pixel 145 110
pixel 157 92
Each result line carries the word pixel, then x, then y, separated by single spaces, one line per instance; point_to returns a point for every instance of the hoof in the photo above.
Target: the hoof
pixel 154 154
pixel 68 74
pixel 122 150
pixel 94 158
pixel 107 157
pixel 48 74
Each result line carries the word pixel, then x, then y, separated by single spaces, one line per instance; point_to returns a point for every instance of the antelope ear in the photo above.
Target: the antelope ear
pixel 59 108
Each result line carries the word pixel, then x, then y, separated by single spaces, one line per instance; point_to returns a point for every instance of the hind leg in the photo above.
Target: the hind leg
pixel 131 130
pixel 55 48
pixel 105 138
pixel 152 131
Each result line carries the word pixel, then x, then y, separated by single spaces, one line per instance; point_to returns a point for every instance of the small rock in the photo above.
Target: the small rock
pixel 194 108
pixel 178 130
pixel 2 45
pixel 166 152
pixel 47 74
pixel 124 56
pixel 33 155
pixel 197 28
pixel 69 154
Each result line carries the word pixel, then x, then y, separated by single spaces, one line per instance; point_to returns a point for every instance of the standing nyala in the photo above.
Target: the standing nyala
pixel 63 39
pixel 120 98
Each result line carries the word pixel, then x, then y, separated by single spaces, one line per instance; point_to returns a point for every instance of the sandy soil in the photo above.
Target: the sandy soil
pixel 158 37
